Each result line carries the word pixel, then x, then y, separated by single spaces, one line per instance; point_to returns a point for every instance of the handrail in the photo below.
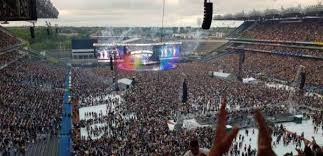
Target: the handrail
pixel 278 53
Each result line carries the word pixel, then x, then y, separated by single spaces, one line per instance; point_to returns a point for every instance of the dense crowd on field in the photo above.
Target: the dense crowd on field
pixel 309 31
pixel 83 79
pixel 31 102
pixel 155 99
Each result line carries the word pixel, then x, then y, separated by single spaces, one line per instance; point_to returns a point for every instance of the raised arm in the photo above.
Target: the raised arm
pixel 223 140
pixel 264 138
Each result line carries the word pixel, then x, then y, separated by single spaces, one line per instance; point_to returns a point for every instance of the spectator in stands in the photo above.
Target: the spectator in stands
pixel 31 103
pixel 6 40
pixel 308 31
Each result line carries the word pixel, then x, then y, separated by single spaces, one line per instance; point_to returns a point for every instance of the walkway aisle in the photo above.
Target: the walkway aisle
pixel 65 141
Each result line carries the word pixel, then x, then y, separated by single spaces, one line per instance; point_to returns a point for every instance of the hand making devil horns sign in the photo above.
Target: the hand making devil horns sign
pixel 223 140
pixel 264 138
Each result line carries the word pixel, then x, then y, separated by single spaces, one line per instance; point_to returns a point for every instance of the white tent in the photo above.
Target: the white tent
pixel 249 80
pixel 125 81
pixel 221 75
pixel 224 76
pixel 192 124
pixel 171 125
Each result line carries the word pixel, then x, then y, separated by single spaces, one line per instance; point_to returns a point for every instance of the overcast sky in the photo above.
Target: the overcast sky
pixel 149 12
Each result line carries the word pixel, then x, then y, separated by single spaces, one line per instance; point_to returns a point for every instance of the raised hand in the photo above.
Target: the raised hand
pixel 264 138
pixel 223 140
pixel 306 143
pixel 299 152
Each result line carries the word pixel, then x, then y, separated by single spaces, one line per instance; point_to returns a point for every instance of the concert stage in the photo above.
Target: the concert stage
pixel 140 57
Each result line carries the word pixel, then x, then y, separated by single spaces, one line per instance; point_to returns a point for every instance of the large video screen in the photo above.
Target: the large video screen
pixel 18 10
pixel 106 52
pixel 155 52
pixel 169 51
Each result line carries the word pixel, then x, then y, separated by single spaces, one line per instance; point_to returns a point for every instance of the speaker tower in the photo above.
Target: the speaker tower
pixel 208 14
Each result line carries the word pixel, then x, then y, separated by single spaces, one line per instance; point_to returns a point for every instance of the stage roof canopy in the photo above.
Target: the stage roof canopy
pixel 27 10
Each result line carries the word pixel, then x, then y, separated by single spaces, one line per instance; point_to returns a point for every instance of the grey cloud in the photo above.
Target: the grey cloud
pixel 148 12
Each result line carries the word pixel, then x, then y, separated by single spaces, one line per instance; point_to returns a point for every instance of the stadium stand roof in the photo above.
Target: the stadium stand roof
pixel 46 9
pixel 27 10
pixel 314 11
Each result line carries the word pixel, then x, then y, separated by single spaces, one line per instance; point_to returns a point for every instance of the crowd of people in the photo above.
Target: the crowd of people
pixel 309 31
pixel 6 58
pixel 6 40
pixel 275 67
pixel 283 68
pixel 83 79
pixel 31 103
pixel 155 99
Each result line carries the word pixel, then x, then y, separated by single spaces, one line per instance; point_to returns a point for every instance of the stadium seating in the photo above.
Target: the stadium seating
pixel 279 61
pixel 6 40
pixel 281 67
pixel 271 66
pixel 31 104
pixel 309 31
pixel 46 9
pixel 7 57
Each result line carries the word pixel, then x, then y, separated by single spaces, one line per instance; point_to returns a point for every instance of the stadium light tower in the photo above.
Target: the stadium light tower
pixel 163 17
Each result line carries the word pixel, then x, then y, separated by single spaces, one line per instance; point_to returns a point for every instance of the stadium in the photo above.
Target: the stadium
pixel 254 88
